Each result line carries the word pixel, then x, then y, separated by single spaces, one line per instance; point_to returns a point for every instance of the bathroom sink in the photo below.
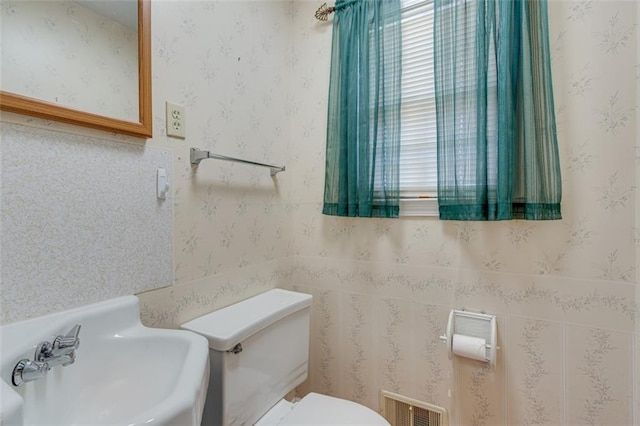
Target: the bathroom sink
pixel 123 374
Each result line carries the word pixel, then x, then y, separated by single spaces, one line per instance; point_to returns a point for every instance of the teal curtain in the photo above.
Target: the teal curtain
pixel 363 129
pixel 497 144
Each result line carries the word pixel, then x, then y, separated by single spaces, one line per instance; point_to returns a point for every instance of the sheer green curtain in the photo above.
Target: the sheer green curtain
pixel 363 129
pixel 497 145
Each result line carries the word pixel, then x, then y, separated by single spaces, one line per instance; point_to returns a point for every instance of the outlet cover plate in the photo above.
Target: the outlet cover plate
pixel 175 120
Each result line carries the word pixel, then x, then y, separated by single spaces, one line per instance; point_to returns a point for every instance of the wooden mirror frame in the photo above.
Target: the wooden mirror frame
pixel 43 109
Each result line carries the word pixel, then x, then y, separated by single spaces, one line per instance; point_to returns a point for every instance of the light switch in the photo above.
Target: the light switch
pixel 162 184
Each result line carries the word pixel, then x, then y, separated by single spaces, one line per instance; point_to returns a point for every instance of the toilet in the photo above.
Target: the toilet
pixel 259 352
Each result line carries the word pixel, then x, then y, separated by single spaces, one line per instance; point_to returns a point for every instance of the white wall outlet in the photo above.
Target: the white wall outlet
pixel 175 120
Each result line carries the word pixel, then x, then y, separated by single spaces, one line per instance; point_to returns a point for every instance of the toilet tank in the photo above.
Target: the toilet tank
pixel 259 351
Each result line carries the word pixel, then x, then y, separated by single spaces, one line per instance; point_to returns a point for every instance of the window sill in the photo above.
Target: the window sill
pixel 416 207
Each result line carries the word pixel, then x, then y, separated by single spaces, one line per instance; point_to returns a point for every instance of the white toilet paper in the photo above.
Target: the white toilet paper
pixel 469 347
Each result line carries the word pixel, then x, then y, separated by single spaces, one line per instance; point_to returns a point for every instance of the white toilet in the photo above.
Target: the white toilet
pixel 259 351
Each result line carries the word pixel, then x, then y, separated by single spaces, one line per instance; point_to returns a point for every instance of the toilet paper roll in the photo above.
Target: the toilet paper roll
pixel 469 347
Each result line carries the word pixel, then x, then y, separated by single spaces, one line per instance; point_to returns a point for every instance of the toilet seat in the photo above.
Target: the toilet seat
pixel 316 409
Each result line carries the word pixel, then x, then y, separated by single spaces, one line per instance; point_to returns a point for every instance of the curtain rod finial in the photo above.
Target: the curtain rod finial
pixel 323 12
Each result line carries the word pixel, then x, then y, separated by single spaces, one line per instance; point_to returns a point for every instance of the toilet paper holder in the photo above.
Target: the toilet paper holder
pixel 476 325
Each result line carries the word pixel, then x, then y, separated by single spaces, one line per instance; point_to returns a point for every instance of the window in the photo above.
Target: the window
pixel 418 156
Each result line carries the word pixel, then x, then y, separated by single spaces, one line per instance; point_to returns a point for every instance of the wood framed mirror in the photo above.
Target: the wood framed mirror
pixel 37 106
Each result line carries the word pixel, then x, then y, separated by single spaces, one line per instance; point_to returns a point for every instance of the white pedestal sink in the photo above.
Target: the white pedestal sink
pixel 124 373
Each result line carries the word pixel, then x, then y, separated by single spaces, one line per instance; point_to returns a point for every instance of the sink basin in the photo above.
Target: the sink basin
pixel 124 373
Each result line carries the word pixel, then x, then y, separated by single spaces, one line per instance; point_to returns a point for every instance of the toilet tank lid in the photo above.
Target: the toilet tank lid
pixel 229 326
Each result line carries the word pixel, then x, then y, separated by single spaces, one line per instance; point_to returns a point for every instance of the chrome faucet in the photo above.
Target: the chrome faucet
pixel 60 351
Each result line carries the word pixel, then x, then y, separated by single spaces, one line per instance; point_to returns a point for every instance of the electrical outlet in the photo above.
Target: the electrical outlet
pixel 175 120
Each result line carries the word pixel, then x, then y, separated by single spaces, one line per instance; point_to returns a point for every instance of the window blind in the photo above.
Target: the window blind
pixel 418 157
pixel 418 154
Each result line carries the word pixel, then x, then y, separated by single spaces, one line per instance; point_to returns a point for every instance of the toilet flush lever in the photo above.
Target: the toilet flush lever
pixel 236 349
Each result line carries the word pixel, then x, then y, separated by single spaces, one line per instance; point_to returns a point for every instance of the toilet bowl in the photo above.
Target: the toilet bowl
pixel 316 409
pixel 259 352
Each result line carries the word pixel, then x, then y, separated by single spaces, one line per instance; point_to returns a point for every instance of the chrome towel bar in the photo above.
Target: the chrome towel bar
pixel 198 155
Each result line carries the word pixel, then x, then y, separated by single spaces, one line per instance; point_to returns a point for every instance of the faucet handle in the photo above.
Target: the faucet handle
pixel 26 371
pixel 71 340
pixel 43 351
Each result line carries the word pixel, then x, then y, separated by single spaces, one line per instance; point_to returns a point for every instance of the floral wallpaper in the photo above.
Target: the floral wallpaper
pixel 232 223
pixel 233 232
pixel 565 293
pixel 92 59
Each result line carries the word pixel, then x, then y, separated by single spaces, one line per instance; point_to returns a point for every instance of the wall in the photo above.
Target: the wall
pixel 637 221
pixel 229 64
pixel 564 291
pixel 231 234
pixel 79 220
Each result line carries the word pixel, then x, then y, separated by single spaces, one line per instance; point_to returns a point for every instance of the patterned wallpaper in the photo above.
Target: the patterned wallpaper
pixel 80 221
pixel 233 223
pixel 92 59
pixel 565 292
pixel 232 228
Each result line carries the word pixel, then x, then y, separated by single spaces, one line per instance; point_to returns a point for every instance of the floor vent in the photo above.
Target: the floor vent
pixel 402 411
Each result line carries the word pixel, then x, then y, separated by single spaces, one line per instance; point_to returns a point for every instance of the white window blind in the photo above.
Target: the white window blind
pixel 418 154
pixel 418 168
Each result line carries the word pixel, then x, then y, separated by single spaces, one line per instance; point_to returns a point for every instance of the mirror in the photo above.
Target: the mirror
pixel 83 62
